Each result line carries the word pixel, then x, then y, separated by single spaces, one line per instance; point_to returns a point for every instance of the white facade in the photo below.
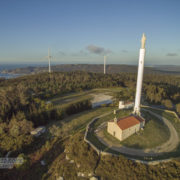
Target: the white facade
pixel 114 130
pixel 130 131
pixel 121 134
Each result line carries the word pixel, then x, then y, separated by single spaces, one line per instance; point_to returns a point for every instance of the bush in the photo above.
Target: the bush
pixel 178 108
pixel 26 162
pixel 81 152
pixel 167 103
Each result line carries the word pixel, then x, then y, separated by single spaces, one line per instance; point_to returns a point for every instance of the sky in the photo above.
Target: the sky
pixel 83 31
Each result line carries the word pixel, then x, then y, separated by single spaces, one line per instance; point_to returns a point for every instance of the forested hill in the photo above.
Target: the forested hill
pixel 96 68
pixel 23 100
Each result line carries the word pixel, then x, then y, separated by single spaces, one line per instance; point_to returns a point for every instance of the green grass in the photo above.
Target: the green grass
pixel 78 121
pixel 170 116
pixel 154 134
pixel 155 131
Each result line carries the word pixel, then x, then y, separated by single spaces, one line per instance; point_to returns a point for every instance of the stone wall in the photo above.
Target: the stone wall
pixel 85 136
pixel 103 153
pixel 114 130
pixel 131 130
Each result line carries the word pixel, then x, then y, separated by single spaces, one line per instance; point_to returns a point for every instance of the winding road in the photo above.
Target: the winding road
pixel 168 146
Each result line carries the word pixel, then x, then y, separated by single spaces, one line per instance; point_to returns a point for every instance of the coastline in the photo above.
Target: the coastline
pixel 9 76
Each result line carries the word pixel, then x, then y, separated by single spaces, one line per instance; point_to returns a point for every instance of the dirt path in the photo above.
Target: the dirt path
pixel 168 146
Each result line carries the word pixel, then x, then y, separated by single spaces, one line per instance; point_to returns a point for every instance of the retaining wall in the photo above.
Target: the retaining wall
pixel 103 153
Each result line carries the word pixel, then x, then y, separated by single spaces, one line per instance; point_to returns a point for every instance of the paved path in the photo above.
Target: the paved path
pixel 168 146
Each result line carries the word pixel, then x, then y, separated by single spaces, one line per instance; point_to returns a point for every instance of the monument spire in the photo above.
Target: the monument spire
pixel 140 76
pixel 143 40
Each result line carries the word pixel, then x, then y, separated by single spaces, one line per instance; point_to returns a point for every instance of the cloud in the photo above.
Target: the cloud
pixel 171 54
pixel 98 50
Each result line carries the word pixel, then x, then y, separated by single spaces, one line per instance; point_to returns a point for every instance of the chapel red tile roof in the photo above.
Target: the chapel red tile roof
pixel 127 122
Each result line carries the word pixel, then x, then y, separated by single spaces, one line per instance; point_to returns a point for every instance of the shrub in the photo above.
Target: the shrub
pixel 25 164
pixel 167 103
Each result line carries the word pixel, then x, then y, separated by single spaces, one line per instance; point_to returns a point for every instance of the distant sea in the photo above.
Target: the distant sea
pixel 8 76
pixel 10 66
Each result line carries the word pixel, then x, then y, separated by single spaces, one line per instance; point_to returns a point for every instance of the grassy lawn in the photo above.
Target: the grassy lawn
pixel 170 116
pixel 176 123
pixel 154 134
pixel 66 127
pixel 78 121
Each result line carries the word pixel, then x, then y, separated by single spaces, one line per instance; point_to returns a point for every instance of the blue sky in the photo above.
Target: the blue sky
pixel 81 31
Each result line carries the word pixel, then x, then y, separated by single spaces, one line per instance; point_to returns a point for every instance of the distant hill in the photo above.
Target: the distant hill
pixel 97 68
pixel 168 68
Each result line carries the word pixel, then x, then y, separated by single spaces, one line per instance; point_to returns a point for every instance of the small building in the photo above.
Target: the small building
pixel 38 131
pixel 125 105
pixel 124 127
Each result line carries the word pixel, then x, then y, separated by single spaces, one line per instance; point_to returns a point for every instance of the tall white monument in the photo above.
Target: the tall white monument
pixel 140 76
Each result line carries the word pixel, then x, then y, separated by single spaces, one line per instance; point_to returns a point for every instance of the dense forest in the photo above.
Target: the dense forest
pixel 23 106
pixel 23 100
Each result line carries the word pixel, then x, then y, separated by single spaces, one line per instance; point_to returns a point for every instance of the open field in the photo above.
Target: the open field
pixel 74 123
pixel 154 134
pixel 170 116
pixel 167 148
pixel 74 97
